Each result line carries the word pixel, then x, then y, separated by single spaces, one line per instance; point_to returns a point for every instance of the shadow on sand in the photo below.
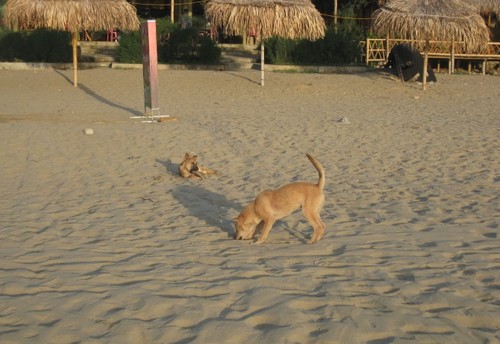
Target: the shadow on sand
pixel 245 78
pixel 170 166
pixel 208 206
pixel 101 98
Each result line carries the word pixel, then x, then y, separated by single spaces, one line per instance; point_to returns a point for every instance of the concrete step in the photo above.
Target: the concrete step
pixel 234 56
pixel 98 51
pixel 238 56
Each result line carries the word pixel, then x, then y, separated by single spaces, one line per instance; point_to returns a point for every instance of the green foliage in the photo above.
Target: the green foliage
pixel 336 48
pixel 174 45
pixel 35 46
pixel 309 53
pixel 279 50
pixel 341 47
pixel 208 52
pixel 129 49
pixel 180 46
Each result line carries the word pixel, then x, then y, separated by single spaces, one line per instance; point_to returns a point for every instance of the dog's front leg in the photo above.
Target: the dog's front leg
pixel 268 224
pixel 196 175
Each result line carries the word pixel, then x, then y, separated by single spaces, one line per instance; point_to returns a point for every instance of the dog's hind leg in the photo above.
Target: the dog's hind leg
pixel 318 225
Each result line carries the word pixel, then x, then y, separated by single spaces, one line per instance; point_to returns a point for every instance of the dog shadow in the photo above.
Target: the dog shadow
pixel 170 166
pixel 208 206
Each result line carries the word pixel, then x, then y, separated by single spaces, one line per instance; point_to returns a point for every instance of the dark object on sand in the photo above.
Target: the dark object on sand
pixel 406 62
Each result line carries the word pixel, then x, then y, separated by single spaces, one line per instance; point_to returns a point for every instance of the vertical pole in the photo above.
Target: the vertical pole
pixel 452 69
pixel 150 67
pixel 426 60
pixel 172 11
pixel 261 60
pixel 367 50
pixel 245 37
pixel 335 14
pixel 74 44
pixel 387 48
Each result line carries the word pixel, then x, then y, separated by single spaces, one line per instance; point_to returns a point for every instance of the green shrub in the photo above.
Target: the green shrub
pixel 49 46
pixel 129 49
pixel 309 53
pixel 279 50
pixel 174 45
pixel 11 46
pixel 336 48
pixel 181 46
pixel 208 52
pixel 340 48
pixel 35 46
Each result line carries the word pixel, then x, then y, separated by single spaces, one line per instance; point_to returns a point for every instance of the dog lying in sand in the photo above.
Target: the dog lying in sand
pixel 189 168
pixel 270 206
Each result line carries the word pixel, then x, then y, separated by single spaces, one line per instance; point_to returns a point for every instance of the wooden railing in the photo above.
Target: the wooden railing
pixel 377 50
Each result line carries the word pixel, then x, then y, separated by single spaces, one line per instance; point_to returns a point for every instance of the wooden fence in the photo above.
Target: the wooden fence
pixel 377 50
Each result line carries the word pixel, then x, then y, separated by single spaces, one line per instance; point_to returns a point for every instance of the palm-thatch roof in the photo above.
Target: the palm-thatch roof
pixel 70 15
pixel 421 20
pixel 285 18
pixel 486 6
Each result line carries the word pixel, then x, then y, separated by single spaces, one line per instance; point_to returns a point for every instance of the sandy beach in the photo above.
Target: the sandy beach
pixel 102 242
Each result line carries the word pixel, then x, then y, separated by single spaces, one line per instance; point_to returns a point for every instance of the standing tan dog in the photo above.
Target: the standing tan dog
pixel 272 205
pixel 189 168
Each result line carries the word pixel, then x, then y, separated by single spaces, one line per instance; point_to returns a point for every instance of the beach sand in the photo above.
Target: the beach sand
pixel 101 241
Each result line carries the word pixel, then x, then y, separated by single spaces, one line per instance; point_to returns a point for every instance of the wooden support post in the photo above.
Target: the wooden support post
pixel 387 50
pixel 74 44
pixel 426 60
pixel 367 50
pixel 452 69
pixel 261 60
pixel 335 15
pixel 172 11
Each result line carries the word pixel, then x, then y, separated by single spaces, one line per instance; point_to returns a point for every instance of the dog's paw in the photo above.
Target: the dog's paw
pixel 258 242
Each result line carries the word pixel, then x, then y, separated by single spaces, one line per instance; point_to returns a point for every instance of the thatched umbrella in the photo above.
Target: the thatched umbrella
pixel 425 20
pixel 285 18
pixel 70 15
pixel 483 6
pixel 486 6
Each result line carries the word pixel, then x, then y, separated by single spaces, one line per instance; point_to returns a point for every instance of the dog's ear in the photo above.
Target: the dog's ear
pixel 186 156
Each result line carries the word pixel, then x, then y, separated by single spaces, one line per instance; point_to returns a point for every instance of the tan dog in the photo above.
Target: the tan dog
pixel 270 206
pixel 189 168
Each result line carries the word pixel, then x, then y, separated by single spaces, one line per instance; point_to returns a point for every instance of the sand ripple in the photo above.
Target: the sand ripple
pixel 100 241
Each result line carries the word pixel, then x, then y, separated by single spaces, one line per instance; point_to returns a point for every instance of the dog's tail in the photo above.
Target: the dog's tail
pixel 321 171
